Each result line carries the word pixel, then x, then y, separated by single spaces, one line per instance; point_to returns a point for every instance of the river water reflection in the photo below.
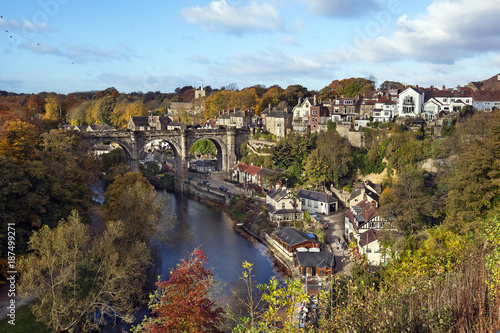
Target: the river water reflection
pixel 224 247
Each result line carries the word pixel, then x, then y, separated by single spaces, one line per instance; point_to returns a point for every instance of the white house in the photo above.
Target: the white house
pixel 369 246
pixel 384 109
pixel 410 103
pixel 301 113
pixel 318 202
pixel 281 205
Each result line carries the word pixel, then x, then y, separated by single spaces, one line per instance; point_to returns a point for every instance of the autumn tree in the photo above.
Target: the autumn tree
pixel 77 114
pixel 35 104
pixel 245 99
pixel 19 139
pixel 217 102
pixel 330 161
pixel 404 151
pixel 271 96
pixel 79 282
pixel 125 109
pixel 182 303
pixel 52 107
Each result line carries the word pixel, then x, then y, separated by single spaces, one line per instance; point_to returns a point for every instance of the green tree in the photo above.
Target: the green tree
pixel 132 200
pixel 280 301
pixel 293 92
pixel 203 147
pixel 66 157
pixel 412 204
pixel 330 161
pixel 404 151
pixel 79 282
pixel 473 179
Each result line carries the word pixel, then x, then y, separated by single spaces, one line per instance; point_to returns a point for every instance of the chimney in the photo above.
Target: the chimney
pixel 315 100
pixel 269 107
pixel 300 100
pixel 444 87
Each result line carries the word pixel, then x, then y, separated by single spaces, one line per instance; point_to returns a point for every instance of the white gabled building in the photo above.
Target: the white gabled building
pixel 301 115
pixel 384 109
pixel 410 103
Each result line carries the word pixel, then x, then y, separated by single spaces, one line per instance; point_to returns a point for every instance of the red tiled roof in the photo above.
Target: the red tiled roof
pixel 241 166
pixel 252 170
pixel 486 95
pixel 367 237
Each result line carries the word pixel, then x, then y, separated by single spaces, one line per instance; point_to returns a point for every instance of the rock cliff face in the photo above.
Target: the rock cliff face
pixel 356 139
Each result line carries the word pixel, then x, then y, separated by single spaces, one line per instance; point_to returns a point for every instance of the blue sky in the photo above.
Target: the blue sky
pixel 80 45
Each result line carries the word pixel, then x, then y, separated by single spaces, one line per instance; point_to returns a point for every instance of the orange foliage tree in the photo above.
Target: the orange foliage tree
pixel 181 304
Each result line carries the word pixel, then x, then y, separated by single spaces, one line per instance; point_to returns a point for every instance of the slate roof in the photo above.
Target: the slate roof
pixel 264 171
pixel 316 196
pixel 277 194
pixel 316 259
pixel 279 114
pixel 292 236
pixel 140 120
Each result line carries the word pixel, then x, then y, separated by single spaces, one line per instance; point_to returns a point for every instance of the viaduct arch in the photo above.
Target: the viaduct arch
pixel 227 141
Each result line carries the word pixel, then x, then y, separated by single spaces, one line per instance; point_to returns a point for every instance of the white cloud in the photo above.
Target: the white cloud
pixel 340 8
pixel 270 66
pixel 80 53
pixel 450 30
pixel 24 25
pixel 219 14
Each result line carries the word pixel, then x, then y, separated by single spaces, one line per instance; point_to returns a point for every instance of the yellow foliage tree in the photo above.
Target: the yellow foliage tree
pixel 52 108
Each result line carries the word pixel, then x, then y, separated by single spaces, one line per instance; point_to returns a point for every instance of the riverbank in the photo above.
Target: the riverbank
pixel 284 265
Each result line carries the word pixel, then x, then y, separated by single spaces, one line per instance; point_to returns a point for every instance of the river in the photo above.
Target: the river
pixel 224 247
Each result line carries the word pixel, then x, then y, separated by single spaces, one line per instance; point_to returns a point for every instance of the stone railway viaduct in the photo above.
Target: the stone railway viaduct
pixel 227 141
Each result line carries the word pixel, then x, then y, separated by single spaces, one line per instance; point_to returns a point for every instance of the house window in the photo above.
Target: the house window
pixel 487 103
pixel 308 203
pixel 315 204
pixel 368 250
pixel 487 109
pixel 303 202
